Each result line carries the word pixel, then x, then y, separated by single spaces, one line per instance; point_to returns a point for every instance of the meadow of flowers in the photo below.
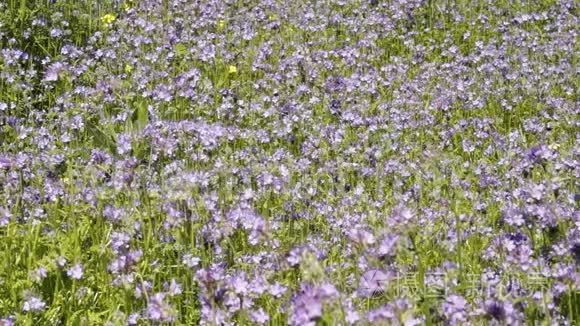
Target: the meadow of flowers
pixel 273 162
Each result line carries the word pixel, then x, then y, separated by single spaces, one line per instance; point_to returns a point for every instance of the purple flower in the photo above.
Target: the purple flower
pixel 395 313
pixel 308 303
pixel 120 241
pixel 5 162
pixel 352 316
pixel 538 154
pixel 133 319
pixel 4 216
pixel 361 237
pixel 259 316
pixel 75 272
pixel 455 309
pixel 513 216
pixel 100 157
pixel 575 251
pixel 53 71
pixel 373 283
pixel 39 274
pixel 277 289
pixel 239 284
pixel 383 313
pixel 536 192
pixel 123 144
pixel 158 310
pixel 174 288
pixel 401 216
pixel 33 304
pixel 387 246
pixel 502 311
pixel 7 321
pixel 190 261
pixel 495 310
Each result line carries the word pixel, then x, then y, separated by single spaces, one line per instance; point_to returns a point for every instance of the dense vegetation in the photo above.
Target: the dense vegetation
pixel 400 162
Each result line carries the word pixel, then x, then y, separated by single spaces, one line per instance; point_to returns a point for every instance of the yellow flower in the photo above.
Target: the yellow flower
pixel 232 69
pixel 128 68
pixel 108 18
pixel 221 24
pixel 554 146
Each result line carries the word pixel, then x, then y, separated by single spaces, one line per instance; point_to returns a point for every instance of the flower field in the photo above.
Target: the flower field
pixel 272 162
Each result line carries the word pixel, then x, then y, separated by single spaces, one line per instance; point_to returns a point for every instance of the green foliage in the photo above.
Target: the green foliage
pixel 27 24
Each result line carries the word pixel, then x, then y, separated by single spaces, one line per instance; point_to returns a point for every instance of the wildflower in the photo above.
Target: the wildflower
pixel 575 250
pixel 7 321
pixel 372 283
pixel 174 288
pixel 190 261
pixel 352 316
pixel 54 71
pixel 362 237
pixel 60 261
pixel 259 316
pixel 277 289
pixel 108 18
pixel 502 311
pixel 5 214
pixel 39 274
pixel 401 216
pixel 159 310
pixel 33 303
pixel 123 144
pixel 495 310
pixel 307 305
pixel 239 284
pixel 75 272
pixel 133 319
pixel 396 313
pixel 232 69
pixel 387 246
pixel 382 313
pixel 454 309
